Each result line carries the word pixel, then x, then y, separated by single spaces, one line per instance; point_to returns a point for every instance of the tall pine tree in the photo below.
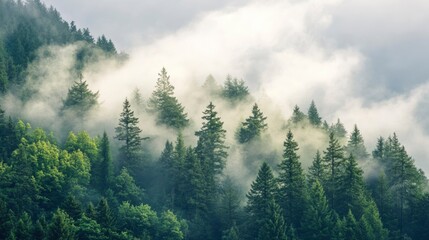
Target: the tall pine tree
pixel 313 115
pixel 253 126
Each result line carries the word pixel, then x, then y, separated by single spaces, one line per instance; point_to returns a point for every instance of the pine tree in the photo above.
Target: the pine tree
pixel 39 232
pixel 129 132
pixel 211 149
pixel 351 227
pixel 313 115
pixel 253 126
pixel 333 160
pixel 234 90
pixel 356 145
pixel 316 171
pixel 104 215
pixel 61 226
pixel 106 168
pixel 292 194
pixel 72 207
pixel 162 102
pixel 338 130
pixel 24 227
pixel 318 220
pixel 193 188
pixel 371 226
pixel 351 189
pixel 297 115
pixel 80 99
pixel 273 226
pixel 261 193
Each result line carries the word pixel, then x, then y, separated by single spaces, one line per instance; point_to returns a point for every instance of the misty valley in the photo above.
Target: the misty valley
pixel 84 154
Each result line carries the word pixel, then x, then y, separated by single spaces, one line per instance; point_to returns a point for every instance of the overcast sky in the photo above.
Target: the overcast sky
pixel 362 60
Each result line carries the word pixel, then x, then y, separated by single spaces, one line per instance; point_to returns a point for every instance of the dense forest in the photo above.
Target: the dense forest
pixel 170 170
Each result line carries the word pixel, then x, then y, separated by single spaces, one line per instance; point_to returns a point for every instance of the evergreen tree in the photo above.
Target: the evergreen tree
pixel 61 226
pixel 253 126
pixel 39 232
pixel 356 145
pixel 125 188
pixel 371 224
pixel 230 203
pixel 129 132
pixel 106 45
pixel 273 227
pixel 89 229
pixel 168 165
pixel 211 149
pixel 211 87
pixel 193 188
pixel 162 102
pixel 297 115
pixel 72 207
pixel 313 115
pixel 351 227
pixel 317 170
pixel 104 214
pixel 261 193
pixel 351 189
pixel 234 90
pixel 338 130
pixel 292 194
pixel 333 161
pixel 231 234
pixel 106 168
pixel 318 220
pixel 80 99
pixel 24 227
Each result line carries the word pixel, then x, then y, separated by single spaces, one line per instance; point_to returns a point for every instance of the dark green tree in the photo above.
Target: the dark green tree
pixel 262 192
pixel 211 149
pixel 318 219
pixel 128 131
pixel 125 188
pixel 274 226
pixel 371 226
pixel 338 130
pixel 292 185
pixel 313 115
pixel 72 207
pixel 356 145
pixel 104 214
pixel 24 227
pixel 106 168
pixel 333 161
pixel 317 170
pixel 234 90
pixel 89 229
pixel 193 185
pixel 253 126
pixel 167 108
pixel 61 226
pixel 80 99
pixel 230 203
pixel 106 45
pixel 40 229
pixel 297 115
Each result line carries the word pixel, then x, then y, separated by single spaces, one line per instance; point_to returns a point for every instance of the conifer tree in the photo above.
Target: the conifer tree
pixel 253 126
pixel 356 145
pixel 333 160
pixel 129 132
pixel 351 189
pixel 61 226
pixel 72 207
pixel 261 193
pixel 273 226
pixel 338 130
pixel 317 170
pixel 106 168
pixel 80 99
pixel 24 227
pixel 371 226
pixel 211 149
pixel 193 189
pixel 318 220
pixel 313 115
pixel 297 115
pixel 351 227
pixel 234 90
pixel 104 214
pixel 167 108
pixel 292 194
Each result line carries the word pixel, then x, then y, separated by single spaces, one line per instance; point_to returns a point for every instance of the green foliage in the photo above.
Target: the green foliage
pixel 234 90
pixel 162 102
pixel 356 146
pixel 211 149
pixel 261 193
pixel 317 170
pixel 333 160
pixel 106 166
pixel 89 229
pixel 170 228
pixel 292 185
pixel 126 189
pixel 274 227
pixel 297 115
pixel 140 220
pixel 61 226
pixel 80 99
pixel 129 132
pixel 253 126
pixel 313 115
pixel 338 130
pixel 318 219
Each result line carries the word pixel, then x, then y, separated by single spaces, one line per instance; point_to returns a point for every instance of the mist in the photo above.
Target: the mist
pixel 278 47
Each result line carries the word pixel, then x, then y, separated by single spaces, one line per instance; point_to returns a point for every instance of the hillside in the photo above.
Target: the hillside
pixel 214 163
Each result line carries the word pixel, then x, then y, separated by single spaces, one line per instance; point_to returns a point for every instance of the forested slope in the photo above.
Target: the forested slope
pixel 249 175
